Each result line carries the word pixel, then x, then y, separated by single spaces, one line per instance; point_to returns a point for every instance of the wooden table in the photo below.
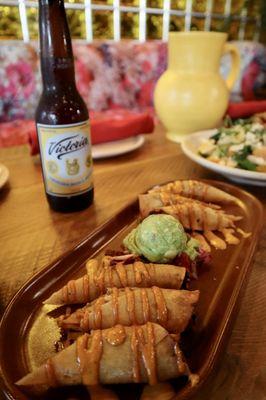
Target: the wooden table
pixel 32 236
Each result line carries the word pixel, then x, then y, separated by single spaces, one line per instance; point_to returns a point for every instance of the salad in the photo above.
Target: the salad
pixel 238 144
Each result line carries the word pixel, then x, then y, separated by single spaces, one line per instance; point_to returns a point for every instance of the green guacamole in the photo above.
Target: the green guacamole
pixel 160 238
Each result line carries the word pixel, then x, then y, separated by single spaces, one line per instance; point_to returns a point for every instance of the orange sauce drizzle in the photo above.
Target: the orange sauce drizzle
pixel 177 211
pixel 203 244
pixel 106 260
pixel 146 348
pixel 85 321
pixel 214 240
pixel 138 276
pixel 97 313
pixel 149 355
pixel 50 373
pixel 152 274
pixel 109 271
pixel 122 274
pixel 89 358
pixel 69 292
pixel 219 220
pixel 98 280
pixel 165 198
pixel 86 287
pixel 64 294
pixel 130 305
pixel 162 312
pixel 243 233
pixel 141 272
pixel 145 305
pixel 229 237
pixel 135 354
pixel 115 336
pixel 90 348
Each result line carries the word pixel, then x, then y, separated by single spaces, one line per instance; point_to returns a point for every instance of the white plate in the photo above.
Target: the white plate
pixel 117 147
pixel 190 147
pixel 4 175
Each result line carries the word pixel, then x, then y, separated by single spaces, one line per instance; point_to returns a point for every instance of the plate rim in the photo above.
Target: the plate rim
pixel 140 139
pixel 222 169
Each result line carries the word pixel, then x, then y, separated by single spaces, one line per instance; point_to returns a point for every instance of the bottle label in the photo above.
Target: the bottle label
pixel 66 158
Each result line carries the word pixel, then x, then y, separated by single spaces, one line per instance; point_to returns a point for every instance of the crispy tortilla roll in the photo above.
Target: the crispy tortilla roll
pixel 170 308
pixel 101 276
pixel 197 190
pixel 146 353
pixel 198 218
pixel 160 199
pixel 155 201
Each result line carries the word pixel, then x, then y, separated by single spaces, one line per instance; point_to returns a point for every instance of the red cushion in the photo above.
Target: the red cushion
pixel 106 126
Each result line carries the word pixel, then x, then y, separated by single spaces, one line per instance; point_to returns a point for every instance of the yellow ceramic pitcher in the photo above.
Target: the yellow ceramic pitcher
pixel 191 95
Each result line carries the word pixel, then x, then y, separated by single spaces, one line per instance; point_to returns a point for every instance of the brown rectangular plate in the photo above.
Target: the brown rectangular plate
pixel 27 334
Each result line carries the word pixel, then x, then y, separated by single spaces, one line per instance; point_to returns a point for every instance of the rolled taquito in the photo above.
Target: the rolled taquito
pixel 145 353
pixel 198 218
pixel 170 308
pixel 153 200
pixel 197 190
pixel 101 275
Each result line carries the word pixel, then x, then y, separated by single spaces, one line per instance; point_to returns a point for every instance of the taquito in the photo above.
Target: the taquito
pixel 197 190
pixel 130 306
pixel 198 218
pixel 153 200
pixel 145 353
pixel 102 275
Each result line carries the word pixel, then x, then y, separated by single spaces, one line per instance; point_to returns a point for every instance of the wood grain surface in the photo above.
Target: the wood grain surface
pixel 32 235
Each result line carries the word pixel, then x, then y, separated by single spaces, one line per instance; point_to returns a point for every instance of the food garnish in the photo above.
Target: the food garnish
pixel 159 238
pixel 239 144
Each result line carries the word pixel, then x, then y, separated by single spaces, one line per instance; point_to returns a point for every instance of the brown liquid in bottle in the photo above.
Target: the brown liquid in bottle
pixel 62 116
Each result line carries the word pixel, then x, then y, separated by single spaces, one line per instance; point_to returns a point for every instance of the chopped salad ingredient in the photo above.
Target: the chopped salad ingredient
pixel 238 144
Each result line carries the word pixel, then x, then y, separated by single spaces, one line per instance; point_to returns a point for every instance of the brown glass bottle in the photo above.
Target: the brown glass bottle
pixel 62 117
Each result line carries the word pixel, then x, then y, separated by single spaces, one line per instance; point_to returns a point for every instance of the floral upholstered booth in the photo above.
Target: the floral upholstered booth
pixel 109 75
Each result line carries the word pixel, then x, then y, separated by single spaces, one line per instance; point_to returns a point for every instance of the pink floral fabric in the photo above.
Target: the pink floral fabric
pixel 20 83
pixel 111 75
pixel 119 74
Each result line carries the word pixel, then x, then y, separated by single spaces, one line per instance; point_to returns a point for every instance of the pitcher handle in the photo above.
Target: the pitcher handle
pixel 235 68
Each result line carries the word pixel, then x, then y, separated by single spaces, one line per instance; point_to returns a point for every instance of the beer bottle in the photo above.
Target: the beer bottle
pixel 62 117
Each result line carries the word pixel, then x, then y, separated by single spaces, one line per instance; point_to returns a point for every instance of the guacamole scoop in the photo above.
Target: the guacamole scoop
pixel 159 238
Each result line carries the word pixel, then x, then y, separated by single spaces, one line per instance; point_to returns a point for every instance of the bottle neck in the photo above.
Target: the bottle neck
pixel 57 62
